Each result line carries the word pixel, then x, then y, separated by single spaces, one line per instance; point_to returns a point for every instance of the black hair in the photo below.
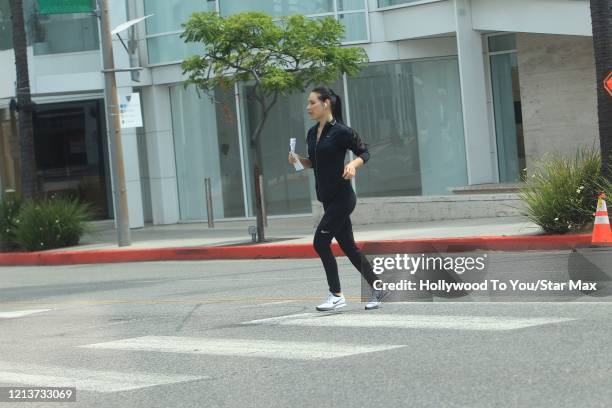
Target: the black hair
pixel 326 93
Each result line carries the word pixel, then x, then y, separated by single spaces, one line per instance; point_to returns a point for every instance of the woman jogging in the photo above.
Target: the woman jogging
pixel 328 142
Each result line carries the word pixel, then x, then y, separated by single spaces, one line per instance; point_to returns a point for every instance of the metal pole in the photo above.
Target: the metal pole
pixel 209 203
pixel 348 122
pixel 263 201
pixel 114 127
pixel 243 155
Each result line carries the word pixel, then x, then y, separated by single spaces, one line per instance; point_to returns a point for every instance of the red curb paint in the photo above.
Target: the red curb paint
pixel 297 251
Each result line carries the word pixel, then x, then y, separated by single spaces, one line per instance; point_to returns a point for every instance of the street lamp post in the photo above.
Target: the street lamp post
pixel 114 124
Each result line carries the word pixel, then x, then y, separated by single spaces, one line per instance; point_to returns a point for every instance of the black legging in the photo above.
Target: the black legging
pixel 336 222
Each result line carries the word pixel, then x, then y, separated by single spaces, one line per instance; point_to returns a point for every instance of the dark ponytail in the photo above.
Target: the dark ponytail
pixel 325 94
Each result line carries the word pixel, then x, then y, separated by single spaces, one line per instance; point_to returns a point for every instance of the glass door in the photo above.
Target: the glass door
pixel 505 85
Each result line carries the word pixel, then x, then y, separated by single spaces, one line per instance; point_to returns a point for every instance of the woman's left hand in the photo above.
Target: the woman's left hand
pixel 349 171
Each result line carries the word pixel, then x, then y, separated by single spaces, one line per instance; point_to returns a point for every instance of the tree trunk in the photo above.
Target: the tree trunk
pixel 261 234
pixel 29 184
pixel 601 16
pixel 257 158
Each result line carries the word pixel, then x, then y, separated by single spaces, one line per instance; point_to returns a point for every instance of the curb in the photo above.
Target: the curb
pixel 297 251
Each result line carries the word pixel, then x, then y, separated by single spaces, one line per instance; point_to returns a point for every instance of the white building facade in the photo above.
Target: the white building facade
pixel 457 93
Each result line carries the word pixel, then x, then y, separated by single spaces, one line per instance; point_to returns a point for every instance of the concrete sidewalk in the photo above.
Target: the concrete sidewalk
pixel 298 230
pixel 292 238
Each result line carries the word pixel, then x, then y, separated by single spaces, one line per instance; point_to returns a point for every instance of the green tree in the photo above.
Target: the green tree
pixel 276 57
pixel 29 183
pixel 601 16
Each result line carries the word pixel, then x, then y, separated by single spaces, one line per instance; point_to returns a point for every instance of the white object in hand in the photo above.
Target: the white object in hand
pixel 297 164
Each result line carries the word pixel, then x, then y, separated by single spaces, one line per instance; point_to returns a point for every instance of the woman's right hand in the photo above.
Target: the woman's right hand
pixel 292 158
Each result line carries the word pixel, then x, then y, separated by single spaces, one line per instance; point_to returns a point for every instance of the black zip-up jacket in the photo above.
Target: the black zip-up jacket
pixel 327 157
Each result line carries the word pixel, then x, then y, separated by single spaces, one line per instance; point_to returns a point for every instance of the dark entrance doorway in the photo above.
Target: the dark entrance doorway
pixel 70 145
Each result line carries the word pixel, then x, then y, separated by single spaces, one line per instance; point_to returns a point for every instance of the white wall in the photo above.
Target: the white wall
pixel 420 20
pixel 72 72
pixel 52 74
pixel 438 18
pixel 570 17
pixel 8 77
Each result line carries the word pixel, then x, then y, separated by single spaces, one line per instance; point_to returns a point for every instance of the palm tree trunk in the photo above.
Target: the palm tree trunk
pixel 601 16
pixel 29 185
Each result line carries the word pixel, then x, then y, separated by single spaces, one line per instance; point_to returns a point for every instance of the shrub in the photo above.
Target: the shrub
pixel 9 220
pixel 52 223
pixel 561 195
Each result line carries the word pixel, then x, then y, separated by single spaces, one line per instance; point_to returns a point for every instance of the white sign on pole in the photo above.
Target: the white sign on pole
pixel 129 106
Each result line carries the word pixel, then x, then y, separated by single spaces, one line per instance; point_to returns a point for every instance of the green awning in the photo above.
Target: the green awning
pixel 65 6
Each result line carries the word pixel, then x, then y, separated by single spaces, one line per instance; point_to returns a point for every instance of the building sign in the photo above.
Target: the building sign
pixel 65 6
pixel 129 107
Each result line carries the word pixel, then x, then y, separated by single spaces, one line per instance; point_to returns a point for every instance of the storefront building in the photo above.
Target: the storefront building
pixel 457 93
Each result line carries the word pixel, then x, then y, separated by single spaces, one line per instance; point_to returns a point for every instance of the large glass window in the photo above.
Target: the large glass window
pixel 381 102
pixel 349 5
pixel 351 13
pixel 355 26
pixel 277 8
pixel 285 190
pixel 60 33
pixel 408 112
pixel 51 34
pixel 169 48
pixel 437 101
pixel 164 28
pixel 206 145
pixel 507 104
pixel 6 30
pixel 168 15
pixel 410 115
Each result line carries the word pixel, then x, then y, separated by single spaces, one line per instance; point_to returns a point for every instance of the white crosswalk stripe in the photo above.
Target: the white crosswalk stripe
pixel 242 347
pixel 21 313
pixel 13 373
pixel 398 321
pixel 85 380
pixel 276 303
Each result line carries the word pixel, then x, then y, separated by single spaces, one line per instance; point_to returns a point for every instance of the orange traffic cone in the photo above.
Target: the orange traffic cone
pixel 601 229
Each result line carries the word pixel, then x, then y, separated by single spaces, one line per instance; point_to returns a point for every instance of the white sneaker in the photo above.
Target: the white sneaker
pixel 332 302
pixel 376 299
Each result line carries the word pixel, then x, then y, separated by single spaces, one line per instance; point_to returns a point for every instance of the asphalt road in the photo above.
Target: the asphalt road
pixel 246 334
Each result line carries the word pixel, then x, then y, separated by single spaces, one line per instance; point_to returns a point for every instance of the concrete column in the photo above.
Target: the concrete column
pixel 128 136
pixel 160 152
pixel 479 143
